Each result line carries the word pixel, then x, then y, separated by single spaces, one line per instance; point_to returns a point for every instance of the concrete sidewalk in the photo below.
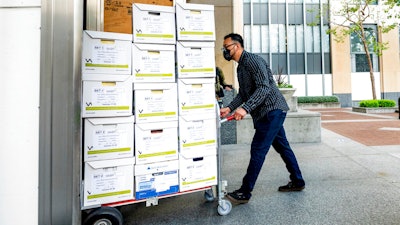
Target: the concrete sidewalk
pixel 346 183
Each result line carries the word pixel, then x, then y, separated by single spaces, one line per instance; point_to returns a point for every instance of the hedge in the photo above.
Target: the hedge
pixel 377 103
pixel 317 99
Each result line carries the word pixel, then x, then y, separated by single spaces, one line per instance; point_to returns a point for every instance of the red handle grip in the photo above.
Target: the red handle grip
pixel 231 117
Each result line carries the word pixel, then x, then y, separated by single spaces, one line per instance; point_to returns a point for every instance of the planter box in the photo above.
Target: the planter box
pixel 318 105
pixel 374 110
pixel 290 99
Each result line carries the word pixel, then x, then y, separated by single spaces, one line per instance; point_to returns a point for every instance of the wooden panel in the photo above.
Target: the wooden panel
pixel 118 14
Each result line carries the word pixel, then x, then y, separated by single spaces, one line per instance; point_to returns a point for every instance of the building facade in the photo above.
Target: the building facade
pixel 291 35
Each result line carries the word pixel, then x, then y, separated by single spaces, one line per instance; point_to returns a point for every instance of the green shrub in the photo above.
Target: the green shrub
pixel 317 99
pixel 285 85
pixel 369 103
pixel 377 103
pixel 386 103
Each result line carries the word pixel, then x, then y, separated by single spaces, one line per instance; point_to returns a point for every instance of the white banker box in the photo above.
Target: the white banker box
pixel 198 135
pixel 108 138
pixel 153 24
pixel 195 59
pixel 195 22
pixel 156 142
pixel 197 172
pixel 196 96
pixel 156 179
pixel 153 63
pixel 107 98
pixel 108 181
pixel 155 102
pixel 106 52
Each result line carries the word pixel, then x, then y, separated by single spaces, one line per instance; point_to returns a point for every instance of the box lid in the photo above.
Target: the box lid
pixel 192 6
pixel 198 44
pixel 154 47
pixel 157 126
pixel 113 120
pixel 154 8
pixel 153 86
pixel 198 117
pixel 189 81
pixel 108 35
pixel 111 163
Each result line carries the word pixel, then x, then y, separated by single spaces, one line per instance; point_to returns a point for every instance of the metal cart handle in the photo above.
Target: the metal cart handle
pixel 229 118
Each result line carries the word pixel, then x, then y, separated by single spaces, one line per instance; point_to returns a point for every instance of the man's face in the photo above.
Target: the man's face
pixel 228 46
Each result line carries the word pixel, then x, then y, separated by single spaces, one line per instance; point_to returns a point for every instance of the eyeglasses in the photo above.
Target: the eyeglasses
pixel 226 47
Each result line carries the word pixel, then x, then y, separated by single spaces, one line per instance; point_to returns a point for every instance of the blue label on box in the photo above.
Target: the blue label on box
pixel 152 192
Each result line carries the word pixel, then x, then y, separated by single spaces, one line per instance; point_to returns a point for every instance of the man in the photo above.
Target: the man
pixel 259 96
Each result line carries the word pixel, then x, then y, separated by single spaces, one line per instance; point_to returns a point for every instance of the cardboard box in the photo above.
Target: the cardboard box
pixel 118 14
pixel 108 181
pixel 107 98
pixel 155 102
pixel 108 138
pixel 195 22
pixel 195 59
pixel 155 142
pixel 153 24
pixel 196 96
pixel 156 179
pixel 198 135
pixel 197 172
pixel 153 63
pixel 106 52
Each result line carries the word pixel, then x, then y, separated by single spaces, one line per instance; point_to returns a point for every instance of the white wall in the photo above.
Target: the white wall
pixel 361 88
pixel 19 110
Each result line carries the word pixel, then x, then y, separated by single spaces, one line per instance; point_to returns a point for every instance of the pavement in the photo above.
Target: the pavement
pixel 352 177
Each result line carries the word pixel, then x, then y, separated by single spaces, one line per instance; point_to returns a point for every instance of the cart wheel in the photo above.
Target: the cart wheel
pixel 209 195
pixel 224 208
pixel 104 216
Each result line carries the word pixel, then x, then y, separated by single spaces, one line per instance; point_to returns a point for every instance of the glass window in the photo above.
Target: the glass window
pixel 313 39
pixel 359 62
pixel 325 38
pixel 255 39
pixel 260 13
pixel 247 36
pixel 312 14
pixel 292 39
pixel 295 13
pixel 246 13
pixel 265 39
pixel 278 38
pixel 278 13
pixel 295 38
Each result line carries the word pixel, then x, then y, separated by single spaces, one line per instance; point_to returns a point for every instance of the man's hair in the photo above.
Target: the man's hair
pixel 235 37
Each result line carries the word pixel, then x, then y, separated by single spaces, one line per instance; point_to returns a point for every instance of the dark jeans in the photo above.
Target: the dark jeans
pixel 270 131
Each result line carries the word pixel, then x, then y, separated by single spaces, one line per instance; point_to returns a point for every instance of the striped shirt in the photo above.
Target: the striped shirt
pixel 258 92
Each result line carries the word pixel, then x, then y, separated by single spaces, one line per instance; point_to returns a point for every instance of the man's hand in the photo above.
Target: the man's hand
pixel 224 112
pixel 240 113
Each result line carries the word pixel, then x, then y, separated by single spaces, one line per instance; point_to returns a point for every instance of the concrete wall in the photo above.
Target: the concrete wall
pixel 301 127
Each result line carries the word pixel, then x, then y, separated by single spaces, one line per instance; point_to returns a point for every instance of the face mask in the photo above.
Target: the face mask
pixel 227 54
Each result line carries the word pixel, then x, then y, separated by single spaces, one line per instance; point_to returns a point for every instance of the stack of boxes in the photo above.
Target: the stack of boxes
pixel 196 96
pixel 148 105
pixel 108 149
pixel 155 101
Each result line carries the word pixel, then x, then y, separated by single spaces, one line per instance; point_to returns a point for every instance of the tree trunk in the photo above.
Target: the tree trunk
pixel 371 69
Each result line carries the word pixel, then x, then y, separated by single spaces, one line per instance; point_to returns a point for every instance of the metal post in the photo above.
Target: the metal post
pixel 398 104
